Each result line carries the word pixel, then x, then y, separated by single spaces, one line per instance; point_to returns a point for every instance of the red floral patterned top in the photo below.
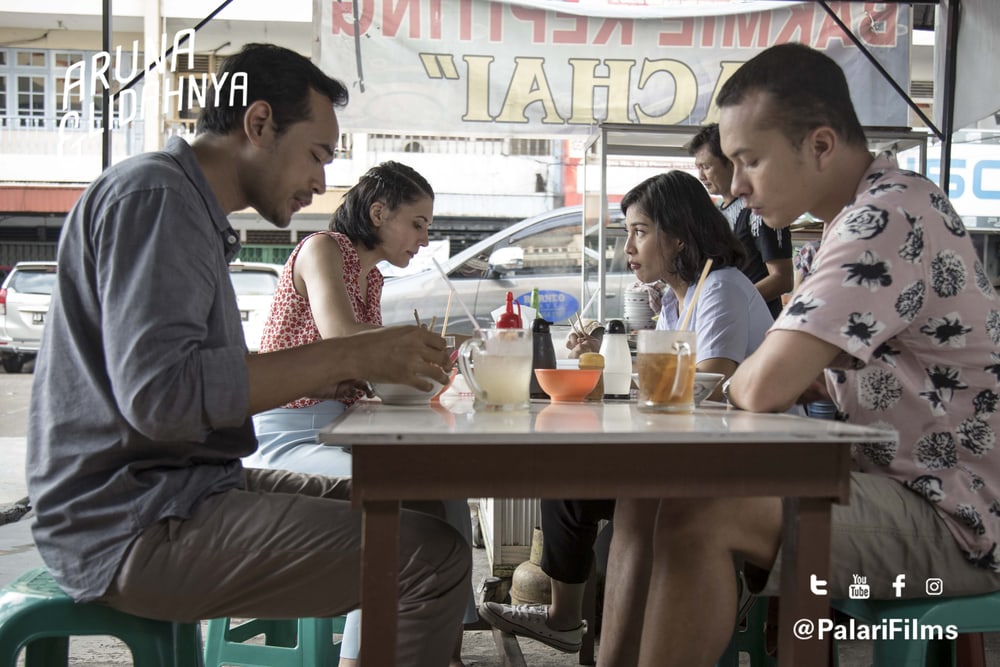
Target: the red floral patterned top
pixel 290 322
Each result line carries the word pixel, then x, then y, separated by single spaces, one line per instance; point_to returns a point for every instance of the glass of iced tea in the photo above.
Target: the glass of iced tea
pixel 666 361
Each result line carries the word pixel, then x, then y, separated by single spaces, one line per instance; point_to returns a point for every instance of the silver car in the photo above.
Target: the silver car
pixel 24 303
pixel 254 284
pixel 545 251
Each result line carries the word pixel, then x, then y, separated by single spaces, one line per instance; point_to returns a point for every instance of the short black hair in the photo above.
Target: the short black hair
pixel 279 76
pixel 682 209
pixel 807 90
pixel 391 183
pixel 708 136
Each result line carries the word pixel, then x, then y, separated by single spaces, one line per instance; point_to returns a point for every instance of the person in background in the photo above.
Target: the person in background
pixel 143 391
pixel 673 229
pixel 330 287
pixel 900 317
pixel 768 261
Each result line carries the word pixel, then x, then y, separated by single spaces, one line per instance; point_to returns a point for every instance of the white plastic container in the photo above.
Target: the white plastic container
pixel 617 361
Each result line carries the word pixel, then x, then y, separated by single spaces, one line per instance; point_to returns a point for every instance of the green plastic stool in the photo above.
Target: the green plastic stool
pixel 973 614
pixel 37 616
pixel 303 642
pixel 748 638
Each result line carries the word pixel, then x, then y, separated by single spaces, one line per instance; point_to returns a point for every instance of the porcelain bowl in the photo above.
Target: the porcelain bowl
pixel 565 385
pixel 705 384
pixel 402 394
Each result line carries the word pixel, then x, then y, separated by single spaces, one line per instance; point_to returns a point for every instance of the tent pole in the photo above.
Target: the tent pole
pixel 106 93
pixel 954 10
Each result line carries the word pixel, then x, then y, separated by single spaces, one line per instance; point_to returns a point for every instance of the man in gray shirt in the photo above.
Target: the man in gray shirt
pixel 144 389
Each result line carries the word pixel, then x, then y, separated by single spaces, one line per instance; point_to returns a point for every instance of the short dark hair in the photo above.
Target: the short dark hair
pixel 807 90
pixel 708 136
pixel 681 208
pixel 392 183
pixel 279 76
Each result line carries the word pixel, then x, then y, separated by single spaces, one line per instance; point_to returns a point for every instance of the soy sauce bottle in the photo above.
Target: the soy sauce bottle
pixel 543 353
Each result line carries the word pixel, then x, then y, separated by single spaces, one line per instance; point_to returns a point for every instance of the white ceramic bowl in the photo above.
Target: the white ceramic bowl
pixel 401 394
pixel 704 384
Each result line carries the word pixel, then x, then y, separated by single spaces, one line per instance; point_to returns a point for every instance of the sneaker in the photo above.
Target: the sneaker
pixel 529 620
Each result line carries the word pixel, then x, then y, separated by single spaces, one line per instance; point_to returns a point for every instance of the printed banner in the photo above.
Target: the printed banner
pixel 475 67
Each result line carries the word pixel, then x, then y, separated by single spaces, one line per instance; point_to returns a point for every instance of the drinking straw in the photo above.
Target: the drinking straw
pixel 447 312
pixel 694 297
pixel 590 303
pixel 451 286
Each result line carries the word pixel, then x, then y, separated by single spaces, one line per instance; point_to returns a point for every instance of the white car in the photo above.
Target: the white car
pixel 254 284
pixel 544 251
pixel 24 303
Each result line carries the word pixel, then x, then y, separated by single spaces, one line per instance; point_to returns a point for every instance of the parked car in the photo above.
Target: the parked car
pixel 24 303
pixel 544 251
pixel 254 284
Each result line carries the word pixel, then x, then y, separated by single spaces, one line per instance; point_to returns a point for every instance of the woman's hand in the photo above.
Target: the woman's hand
pixel 578 344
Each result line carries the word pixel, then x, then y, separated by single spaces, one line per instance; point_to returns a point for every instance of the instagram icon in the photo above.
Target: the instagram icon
pixel 934 586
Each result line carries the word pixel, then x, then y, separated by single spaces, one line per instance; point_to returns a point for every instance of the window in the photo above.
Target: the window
pixel 31 101
pixel 31 58
pixel 554 250
pixel 63 60
pixel 33 281
pixel 248 281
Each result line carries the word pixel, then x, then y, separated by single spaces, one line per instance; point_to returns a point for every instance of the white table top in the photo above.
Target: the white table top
pixel 371 422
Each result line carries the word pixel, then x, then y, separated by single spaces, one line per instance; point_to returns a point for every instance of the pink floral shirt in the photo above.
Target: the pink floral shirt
pixel 290 322
pixel 897 286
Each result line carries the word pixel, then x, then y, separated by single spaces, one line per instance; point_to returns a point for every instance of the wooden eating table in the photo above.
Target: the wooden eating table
pixel 596 450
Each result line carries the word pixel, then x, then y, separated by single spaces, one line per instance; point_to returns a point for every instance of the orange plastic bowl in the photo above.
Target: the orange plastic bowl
pixel 565 385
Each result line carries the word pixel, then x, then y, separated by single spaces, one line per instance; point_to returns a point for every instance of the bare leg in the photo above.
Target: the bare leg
pixel 566 610
pixel 692 588
pixel 456 656
pixel 627 582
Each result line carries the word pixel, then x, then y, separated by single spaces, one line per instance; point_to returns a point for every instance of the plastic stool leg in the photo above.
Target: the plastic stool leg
pixel 47 652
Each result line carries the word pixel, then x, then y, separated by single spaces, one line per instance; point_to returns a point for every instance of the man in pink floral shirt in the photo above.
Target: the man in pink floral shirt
pixel 900 320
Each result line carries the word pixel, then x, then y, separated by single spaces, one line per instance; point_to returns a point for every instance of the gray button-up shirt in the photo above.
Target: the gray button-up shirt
pixel 140 398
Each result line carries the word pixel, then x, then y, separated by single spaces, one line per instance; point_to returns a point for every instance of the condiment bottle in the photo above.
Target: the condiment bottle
pixel 617 361
pixel 595 361
pixel 509 319
pixel 543 354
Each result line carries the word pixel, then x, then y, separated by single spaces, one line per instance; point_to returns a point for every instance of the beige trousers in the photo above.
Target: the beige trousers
pixel 289 546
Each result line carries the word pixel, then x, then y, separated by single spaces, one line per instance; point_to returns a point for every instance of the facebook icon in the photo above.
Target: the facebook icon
pixel 899 584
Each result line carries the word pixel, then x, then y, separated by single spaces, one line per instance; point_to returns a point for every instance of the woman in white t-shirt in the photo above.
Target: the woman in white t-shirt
pixel 673 229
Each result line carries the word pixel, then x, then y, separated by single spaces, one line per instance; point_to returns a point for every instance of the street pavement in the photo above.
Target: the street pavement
pixel 18 554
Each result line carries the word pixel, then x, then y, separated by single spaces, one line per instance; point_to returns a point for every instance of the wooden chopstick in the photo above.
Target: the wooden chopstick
pixel 416 316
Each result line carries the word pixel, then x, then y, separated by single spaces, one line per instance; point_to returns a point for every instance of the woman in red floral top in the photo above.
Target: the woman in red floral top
pixel 330 286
